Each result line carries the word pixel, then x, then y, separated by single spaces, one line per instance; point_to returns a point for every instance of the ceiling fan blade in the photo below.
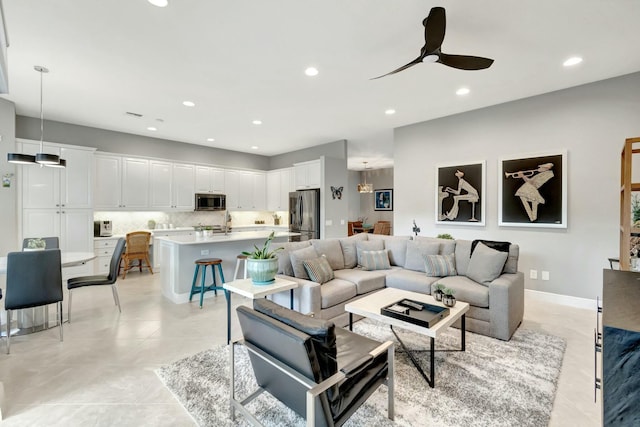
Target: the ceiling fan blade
pixel 434 28
pixel 465 62
pixel 404 67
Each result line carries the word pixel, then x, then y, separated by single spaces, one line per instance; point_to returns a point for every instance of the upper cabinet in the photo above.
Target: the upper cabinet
pixel 69 187
pixel 209 180
pixel 171 186
pixel 121 182
pixel 245 190
pixel 308 175
pixel 279 184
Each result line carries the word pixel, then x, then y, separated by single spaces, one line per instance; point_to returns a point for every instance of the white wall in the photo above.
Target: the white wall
pixel 591 122
pixel 8 209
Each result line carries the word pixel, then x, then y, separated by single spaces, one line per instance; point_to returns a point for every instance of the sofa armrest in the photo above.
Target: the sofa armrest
pixel 306 297
pixel 506 304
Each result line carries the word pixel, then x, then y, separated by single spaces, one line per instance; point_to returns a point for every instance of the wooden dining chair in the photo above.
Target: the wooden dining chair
pixel 137 248
pixel 382 227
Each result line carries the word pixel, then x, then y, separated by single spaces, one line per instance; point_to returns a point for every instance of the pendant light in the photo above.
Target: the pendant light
pixel 365 188
pixel 51 160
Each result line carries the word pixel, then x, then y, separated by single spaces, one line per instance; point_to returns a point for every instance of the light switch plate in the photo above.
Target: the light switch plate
pixel 545 275
pixel 533 274
pixel 328 222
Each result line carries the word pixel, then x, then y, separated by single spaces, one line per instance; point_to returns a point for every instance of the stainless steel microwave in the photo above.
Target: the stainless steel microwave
pixel 210 202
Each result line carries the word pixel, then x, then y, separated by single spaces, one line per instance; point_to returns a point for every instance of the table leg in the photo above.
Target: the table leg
pixel 429 380
pixel 351 322
pixel 291 299
pixel 463 329
pixel 227 294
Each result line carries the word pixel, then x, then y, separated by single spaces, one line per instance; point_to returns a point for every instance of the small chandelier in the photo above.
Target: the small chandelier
pixel 365 188
pixel 41 158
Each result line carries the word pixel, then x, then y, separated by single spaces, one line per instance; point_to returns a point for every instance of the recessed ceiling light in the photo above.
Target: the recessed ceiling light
pixel 311 71
pixel 151 128
pixel 390 112
pixel 254 147
pixel 574 60
pixel 257 122
pixel 159 3
pixel 210 139
pixel 463 91
pixel 189 104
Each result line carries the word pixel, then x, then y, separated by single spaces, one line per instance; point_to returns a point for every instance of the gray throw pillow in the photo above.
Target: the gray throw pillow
pixel 375 260
pixel 369 245
pixel 318 269
pixel 284 261
pixel 440 265
pixel 332 250
pixel 486 264
pixel 297 261
pixel 416 251
pixel 349 251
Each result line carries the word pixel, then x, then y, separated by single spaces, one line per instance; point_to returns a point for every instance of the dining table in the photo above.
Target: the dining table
pixel 37 319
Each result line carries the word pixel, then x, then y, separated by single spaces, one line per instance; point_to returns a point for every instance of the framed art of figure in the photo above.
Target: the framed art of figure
pixel 533 191
pixel 383 200
pixel 461 194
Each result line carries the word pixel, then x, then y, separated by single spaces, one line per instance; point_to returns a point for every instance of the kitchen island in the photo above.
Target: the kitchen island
pixel 178 254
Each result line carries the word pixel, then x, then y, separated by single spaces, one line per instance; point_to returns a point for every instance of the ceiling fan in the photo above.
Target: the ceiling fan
pixel 434 29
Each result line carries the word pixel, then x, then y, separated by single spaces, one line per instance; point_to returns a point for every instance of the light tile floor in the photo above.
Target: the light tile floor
pixel 103 372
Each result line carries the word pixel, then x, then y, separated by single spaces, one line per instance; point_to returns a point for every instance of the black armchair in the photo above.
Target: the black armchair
pixel 321 372
pixel 110 279
pixel 33 279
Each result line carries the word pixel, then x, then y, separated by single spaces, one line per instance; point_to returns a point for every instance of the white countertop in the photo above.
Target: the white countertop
pixel 221 238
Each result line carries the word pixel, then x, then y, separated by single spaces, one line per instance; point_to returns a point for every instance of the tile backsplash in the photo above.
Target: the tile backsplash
pixel 124 222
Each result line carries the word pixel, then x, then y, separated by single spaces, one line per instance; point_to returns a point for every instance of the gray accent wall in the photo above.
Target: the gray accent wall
pixel 137 145
pixel 336 150
pixel 591 122
pixel 8 208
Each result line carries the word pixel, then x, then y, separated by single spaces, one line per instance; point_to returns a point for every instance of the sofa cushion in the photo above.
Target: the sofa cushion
pixel 375 260
pixel 463 256
pixel 365 281
pixel 486 264
pixel 318 269
pixel 396 245
pixel 447 246
pixel 466 290
pixel 410 280
pixel 373 245
pixel 332 250
pixel 297 259
pixel 349 251
pixel 284 261
pixel 416 251
pixel 440 265
pixel 337 291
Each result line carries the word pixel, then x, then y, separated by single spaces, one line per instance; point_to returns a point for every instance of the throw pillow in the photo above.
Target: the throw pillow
pixel 486 264
pixel 284 261
pixel 416 251
pixel 440 265
pixel 498 246
pixel 368 245
pixel 332 250
pixel 297 259
pixel 349 251
pixel 318 269
pixel 375 260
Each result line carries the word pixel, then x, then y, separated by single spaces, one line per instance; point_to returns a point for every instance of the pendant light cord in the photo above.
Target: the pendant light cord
pixel 41 116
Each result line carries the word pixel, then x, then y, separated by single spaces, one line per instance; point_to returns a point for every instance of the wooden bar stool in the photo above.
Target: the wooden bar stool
pixel 240 259
pixel 204 262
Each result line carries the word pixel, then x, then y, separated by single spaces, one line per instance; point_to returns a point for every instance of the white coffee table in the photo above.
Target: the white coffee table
pixel 246 288
pixel 370 306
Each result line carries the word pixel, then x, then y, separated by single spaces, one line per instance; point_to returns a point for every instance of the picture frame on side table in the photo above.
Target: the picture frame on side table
pixel 532 190
pixel 383 200
pixel 461 193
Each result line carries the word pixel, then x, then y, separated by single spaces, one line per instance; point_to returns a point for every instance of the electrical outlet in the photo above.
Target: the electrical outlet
pixel 204 252
pixel 342 222
pixel 328 223
pixel 533 274
pixel 545 275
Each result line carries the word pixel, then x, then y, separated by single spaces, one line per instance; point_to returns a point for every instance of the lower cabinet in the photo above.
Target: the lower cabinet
pixel 620 348
pixel 74 227
pixel 103 249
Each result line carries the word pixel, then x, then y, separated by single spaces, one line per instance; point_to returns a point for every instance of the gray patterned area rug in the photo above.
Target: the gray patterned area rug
pixel 492 383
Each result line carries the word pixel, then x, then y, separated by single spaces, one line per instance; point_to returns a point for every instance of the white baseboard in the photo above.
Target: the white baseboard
pixel 589 304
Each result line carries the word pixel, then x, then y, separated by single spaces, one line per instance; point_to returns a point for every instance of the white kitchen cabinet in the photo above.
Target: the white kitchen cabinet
pixel 232 189
pixel 278 187
pixel 245 190
pixel 209 180
pixel 45 187
pixel 103 249
pixel 171 186
pixel 122 183
pixel 74 227
pixel 135 183
pixel 308 174
pixel 259 192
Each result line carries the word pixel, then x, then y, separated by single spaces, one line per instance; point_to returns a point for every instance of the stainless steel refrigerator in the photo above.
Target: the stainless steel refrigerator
pixel 304 214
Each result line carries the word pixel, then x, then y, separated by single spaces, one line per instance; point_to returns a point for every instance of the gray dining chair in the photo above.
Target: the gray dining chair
pixel 34 279
pixel 109 279
pixel 50 242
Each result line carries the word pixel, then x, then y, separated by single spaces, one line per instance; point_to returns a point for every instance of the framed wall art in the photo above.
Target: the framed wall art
pixel 383 200
pixel 461 194
pixel 533 191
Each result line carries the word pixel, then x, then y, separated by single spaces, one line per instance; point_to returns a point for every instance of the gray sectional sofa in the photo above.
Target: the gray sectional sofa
pixel 487 279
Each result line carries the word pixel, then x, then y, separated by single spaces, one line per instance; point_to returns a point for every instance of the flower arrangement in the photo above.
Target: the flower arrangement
pixel 36 244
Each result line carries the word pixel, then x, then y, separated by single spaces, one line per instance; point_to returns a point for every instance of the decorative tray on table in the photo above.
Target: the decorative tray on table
pixel 416 312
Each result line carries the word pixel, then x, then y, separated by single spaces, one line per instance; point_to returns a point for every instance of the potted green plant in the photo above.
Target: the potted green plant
pixel 439 292
pixel 448 299
pixel 36 244
pixel 445 236
pixel 262 264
